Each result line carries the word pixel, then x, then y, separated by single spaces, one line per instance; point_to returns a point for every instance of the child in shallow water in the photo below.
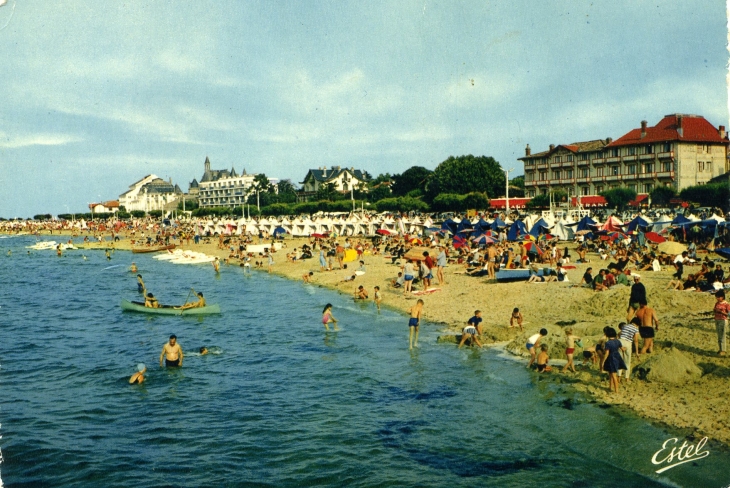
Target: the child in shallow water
pixel 570 340
pixel 542 360
pixel 328 318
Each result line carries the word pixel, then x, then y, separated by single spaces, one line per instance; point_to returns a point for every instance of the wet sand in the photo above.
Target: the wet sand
pixel 685 324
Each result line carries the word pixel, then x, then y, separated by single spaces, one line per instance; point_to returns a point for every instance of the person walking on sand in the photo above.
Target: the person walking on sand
pixel 516 317
pixel 649 323
pixel 721 311
pixel 322 260
pixel 570 340
pixel 172 353
pixel 440 265
pixel 612 361
pixel 491 261
pixel 532 344
pixel 413 323
pixel 328 318
pixel 637 298
pixel 629 337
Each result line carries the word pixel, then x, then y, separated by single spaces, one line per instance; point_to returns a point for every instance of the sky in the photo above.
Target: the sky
pixel 96 95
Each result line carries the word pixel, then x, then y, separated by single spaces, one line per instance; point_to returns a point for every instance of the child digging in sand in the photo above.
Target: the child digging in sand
pixel 472 330
pixel 542 360
pixel 414 322
pixel 516 317
pixel 532 344
pixel 569 350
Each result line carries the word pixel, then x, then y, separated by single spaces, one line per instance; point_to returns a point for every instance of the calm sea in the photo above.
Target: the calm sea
pixel 284 403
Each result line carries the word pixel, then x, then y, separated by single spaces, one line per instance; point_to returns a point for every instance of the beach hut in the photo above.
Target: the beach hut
pixel 516 231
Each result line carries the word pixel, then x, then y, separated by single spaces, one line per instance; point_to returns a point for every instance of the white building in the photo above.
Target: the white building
pixel 223 188
pixel 344 179
pixel 150 193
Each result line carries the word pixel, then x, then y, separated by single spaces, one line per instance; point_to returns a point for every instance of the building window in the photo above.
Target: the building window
pixel 708 166
pixel 543 192
pixel 599 189
pixel 556 159
pixel 614 152
pixel 631 151
pixel 667 166
pixel 583 156
pixel 649 168
pixel 649 149
pixel 631 169
pixel 556 175
pixel 700 166
pixel 632 187
pixel 570 158
pixel 569 173
pixel 531 193
pixel 667 147
pixel 584 172
pixel 647 188
pixel 543 175
pixel 585 190
pixel 599 171
pixel 614 170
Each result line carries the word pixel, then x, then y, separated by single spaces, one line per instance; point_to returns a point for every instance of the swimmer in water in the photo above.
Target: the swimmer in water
pixel 203 351
pixel 172 353
pixel 140 283
pixel 216 264
pixel 138 377
pixel 108 256
pixel 133 268
pixel 328 318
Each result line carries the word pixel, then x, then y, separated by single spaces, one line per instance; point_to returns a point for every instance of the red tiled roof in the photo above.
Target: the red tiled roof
pixel 513 202
pixel 695 129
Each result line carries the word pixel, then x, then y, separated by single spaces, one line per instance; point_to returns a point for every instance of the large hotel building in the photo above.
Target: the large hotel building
pixel 680 151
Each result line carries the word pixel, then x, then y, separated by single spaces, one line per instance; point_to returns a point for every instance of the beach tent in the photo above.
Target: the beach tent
pixel 639 223
pixel 661 223
pixel 498 224
pixel 516 230
pixel 563 231
pixel 586 223
pixel 464 228
pixel 680 220
pixel 279 230
pixel 540 227
pixel 450 225
pixel 482 226
pixel 612 224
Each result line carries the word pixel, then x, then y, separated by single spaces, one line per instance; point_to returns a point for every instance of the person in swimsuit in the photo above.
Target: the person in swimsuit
pixel 138 377
pixel 408 275
pixel 414 322
pixel 140 284
pixel 199 304
pixel 516 317
pixel 649 323
pixel 361 293
pixel 328 318
pixel 133 268
pixel 377 298
pixel 151 302
pixel 307 277
pixel 542 360
pixel 172 353
pixel 472 329
pixel 532 344
pixel 203 351
pixel 570 340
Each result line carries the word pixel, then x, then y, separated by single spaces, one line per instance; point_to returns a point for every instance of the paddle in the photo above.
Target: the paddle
pixel 186 300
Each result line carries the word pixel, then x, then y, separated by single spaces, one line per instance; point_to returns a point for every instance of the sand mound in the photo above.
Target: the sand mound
pixel 670 366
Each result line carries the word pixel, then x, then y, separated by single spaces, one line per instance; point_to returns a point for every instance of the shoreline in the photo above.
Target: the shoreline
pixel 696 406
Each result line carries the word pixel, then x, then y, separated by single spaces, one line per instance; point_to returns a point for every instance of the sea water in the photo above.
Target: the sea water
pixel 282 402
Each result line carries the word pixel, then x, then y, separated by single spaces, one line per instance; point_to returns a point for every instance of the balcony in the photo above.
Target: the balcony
pixel 647 176
pixel 599 161
pixel 583 180
pixel 665 174
pixel 568 164
pixel 666 155
pixel 613 178
pixel 644 157
pixel 630 158
pixel 614 159
pixel 542 165
pixel 583 162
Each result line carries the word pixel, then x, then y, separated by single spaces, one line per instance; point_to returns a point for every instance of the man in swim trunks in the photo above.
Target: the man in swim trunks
pixel 199 304
pixel 649 322
pixel 172 353
pixel 491 261
pixel 414 322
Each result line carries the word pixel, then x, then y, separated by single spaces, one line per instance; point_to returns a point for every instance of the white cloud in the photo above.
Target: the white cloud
pixel 25 140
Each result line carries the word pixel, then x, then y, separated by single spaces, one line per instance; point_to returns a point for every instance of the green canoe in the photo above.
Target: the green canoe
pixel 169 310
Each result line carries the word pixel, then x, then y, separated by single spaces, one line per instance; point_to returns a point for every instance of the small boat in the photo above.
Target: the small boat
pixel 169 310
pixel 515 274
pixel 139 250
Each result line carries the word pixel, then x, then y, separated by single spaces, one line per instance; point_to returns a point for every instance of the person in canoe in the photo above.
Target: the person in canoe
pixel 199 304
pixel 151 302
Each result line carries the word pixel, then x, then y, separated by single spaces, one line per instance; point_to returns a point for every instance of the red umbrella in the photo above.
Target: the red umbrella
pixel 654 237
pixel 459 242
pixel 532 246
pixel 383 232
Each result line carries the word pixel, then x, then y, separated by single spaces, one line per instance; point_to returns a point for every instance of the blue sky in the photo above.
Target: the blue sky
pixel 99 94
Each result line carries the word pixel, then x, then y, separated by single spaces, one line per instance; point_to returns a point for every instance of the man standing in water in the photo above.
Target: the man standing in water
pixel 414 322
pixel 172 352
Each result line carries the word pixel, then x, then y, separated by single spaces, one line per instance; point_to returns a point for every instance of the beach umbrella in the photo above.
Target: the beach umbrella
pixel 483 239
pixel 654 237
pixel 383 232
pixel 459 242
pixel 671 247
pixel 532 246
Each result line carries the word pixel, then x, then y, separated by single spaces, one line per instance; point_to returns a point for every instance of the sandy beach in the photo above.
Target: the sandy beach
pixel 686 328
